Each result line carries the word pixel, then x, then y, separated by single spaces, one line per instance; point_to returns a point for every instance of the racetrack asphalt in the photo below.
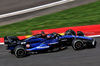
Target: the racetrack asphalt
pixel 42 12
pixel 7 6
pixel 67 57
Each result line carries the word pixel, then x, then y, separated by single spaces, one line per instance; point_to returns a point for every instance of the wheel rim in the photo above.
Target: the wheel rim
pixel 78 45
pixel 21 53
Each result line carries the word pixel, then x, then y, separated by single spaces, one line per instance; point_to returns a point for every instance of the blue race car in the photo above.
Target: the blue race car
pixel 49 42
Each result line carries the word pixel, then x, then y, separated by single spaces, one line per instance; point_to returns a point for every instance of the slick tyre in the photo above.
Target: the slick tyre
pixel 77 45
pixel 20 51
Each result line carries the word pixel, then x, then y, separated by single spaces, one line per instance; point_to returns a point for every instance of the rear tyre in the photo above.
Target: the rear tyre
pixel 20 51
pixel 77 45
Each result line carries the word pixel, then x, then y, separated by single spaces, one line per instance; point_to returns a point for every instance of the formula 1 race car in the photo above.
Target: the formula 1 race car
pixel 48 42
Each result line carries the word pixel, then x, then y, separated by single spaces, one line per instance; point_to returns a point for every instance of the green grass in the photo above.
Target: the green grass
pixel 83 15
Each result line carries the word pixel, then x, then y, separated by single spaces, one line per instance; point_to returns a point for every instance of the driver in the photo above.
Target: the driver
pixel 50 36
pixel 53 35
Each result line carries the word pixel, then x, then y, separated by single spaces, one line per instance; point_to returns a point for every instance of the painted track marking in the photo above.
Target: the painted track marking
pixel 35 8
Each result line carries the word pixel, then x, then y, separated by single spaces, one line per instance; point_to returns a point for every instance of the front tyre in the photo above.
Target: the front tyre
pixel 20 51
pixel 77 45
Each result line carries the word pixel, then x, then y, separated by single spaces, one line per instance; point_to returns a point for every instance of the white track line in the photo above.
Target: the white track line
pixel 1 43
pixel 88 36
pixel 35 8
pixel 94 36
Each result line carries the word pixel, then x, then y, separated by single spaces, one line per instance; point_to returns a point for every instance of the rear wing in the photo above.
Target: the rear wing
pixel 10 39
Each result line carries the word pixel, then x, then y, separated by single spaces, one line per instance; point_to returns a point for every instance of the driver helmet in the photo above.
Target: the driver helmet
pixel 50 36
pixel 54 33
